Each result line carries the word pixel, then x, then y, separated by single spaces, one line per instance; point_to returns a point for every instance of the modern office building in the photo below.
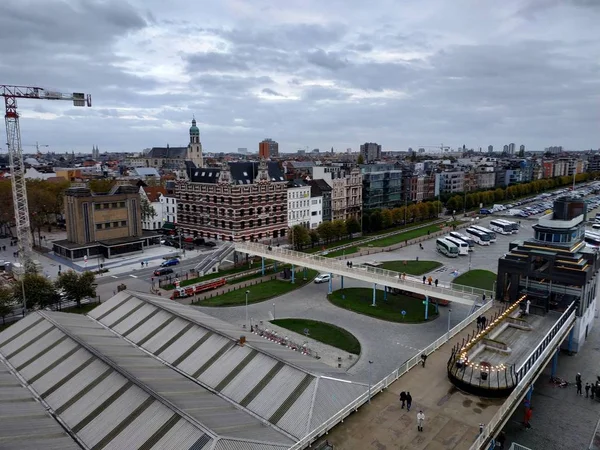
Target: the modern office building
pixel 555 267
pixel 268 148
pixel 381 185
pixel 103 225
pixel 239 201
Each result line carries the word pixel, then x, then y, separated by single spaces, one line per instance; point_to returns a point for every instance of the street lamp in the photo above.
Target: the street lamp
pixel 470 253
pixel 370 364
pixel 273 311
pixel 246 322
pixel 449 314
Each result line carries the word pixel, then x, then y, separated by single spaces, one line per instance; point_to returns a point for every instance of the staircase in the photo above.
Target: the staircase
pixel 214 258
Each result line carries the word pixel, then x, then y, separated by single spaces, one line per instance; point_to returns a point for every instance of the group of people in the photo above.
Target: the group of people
pixel 406 400
pixel 481 323
pixel 430 280
pixel 591 389
pixel 349 264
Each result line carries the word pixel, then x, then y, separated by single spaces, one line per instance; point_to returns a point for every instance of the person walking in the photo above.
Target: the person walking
pixel 436 282
pixel 528 414
pixel 578 383
pixel 501 440
pixel 592 391
pixel 402 399
pixel 408 401
pixel 587 390
pixel 424 279
pixel 420 420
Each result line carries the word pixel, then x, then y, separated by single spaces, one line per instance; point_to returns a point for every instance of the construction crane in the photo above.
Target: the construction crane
pixel 17 166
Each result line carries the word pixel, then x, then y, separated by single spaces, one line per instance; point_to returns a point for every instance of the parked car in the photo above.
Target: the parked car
pixel 210 244
pixel 323 278
pixel 162 271
pixel 199 241
pixel 170 262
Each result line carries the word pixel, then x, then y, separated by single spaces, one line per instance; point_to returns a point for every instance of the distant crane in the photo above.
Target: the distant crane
pixel 37 147
pixel 17 166
pixel 442 147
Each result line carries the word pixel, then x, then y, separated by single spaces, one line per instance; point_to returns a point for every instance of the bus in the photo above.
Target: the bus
pixel 445 247
pixel 502 226
pixel 478 236
pixel 490 233
pixel 463 247
pixel 592 240
pixel 463 237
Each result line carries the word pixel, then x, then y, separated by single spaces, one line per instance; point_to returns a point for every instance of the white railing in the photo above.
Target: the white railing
pixel 519 392
pixel 376 275
pixel 386 381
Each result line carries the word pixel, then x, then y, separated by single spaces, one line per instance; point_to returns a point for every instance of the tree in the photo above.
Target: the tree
pixel 77 286
pixel 314 237
pixel 386 218
pixel 352 226
pixel 148 211
pixel 39 290
pixel 339 228
pixel 6 302
pixel 42 203
pixel 325 230
pixel 375 221
pixel 360 159
pixel 7 211
pixel 299 237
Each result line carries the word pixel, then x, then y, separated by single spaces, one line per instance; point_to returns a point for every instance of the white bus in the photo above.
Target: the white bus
pixel 478 236
pixel 490 233
pixel 592 239
pixel 463 247
pixel 501 226
pixel 463 237
pixel 445 247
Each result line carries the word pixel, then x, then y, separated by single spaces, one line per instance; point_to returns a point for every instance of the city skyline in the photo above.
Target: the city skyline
pixel 426 72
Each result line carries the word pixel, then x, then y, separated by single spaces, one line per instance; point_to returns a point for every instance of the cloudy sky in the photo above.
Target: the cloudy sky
pixel 307 73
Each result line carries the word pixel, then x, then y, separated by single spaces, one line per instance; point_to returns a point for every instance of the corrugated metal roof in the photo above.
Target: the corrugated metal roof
pixel 24 422
pixel 275 383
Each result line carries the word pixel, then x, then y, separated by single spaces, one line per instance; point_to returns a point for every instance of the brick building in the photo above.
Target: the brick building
pixel 239 201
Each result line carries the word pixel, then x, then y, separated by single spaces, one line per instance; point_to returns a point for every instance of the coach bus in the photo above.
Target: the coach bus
pixel 463 247
pixel 592 239
pixel 479 237
pixel 445 247
pixel 490 233
pixel 501 226
pixel 463 237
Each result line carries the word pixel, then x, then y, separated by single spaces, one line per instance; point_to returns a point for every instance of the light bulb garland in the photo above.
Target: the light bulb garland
pixel 463 357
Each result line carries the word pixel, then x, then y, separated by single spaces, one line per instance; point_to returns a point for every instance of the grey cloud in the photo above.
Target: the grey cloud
pixel 212 61
pixel 270 91
pixel 321 93
pixel 327 60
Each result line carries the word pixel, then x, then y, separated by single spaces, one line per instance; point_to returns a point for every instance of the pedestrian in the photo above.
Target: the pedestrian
pixel 420 420
pixel 402 399
pixel 501 440
pixel 479 323
pixel 436 282
pixel 423 359
pixel 578 383
pixel 483 322
pixel 424 279
pixel 592 391
pixel 528 414
pixel 408 401
pixel 142 263
pixel 483 298
pixel 587 390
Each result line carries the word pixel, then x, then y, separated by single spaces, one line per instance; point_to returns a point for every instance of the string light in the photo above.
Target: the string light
pixel 463 358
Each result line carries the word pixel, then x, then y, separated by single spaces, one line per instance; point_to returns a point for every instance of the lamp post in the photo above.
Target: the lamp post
pixel 470 254
pixel 273 311
pixel 449 314
pixel 246 322
pixel 370 364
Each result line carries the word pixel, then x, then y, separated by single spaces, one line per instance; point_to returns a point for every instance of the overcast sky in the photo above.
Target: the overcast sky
pixel 307 73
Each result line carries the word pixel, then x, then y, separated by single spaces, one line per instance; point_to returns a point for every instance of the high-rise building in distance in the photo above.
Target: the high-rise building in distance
pixel 370 151
pixel 268 148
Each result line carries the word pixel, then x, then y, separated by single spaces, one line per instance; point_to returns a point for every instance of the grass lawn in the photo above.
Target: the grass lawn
pixel 359 300
pixel 482 279
pixel 396 239
pixel 346 251
pixel 260 292
pixel 85 308
pixel 411 267
pixel 323 332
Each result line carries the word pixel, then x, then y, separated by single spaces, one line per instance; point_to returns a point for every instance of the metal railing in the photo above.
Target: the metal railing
pixel 273 336
pixel 519 392
pixel 376 275
pixel 516 446
pixel 386 381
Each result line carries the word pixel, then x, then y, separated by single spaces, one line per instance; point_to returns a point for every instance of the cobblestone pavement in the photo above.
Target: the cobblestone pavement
pixel 561 419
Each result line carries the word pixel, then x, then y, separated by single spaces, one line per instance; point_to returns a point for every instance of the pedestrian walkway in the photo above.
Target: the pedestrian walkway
pixel 452 418
pixel 562 420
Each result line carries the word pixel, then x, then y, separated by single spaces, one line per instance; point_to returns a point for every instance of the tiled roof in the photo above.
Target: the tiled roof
pixel 153 192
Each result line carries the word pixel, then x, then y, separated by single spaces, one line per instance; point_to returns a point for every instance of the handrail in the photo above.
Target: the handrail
pixel 389 379
pixel 385 276
pixel 519 392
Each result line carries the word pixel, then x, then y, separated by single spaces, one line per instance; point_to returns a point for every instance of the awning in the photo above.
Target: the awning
pixel 169 226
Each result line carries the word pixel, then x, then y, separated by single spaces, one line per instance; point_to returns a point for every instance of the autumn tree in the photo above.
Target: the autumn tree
pixel 77 286
pixel 386 218
pixel 6 302
pixel 325 231
pixel 352 226
pixel 339 228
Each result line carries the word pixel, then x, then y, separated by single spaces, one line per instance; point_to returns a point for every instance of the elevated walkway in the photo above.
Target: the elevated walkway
pixel 458 294
pixel 212 259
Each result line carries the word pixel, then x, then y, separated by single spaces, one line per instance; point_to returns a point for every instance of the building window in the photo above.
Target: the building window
pixel 123 223
pixel 98 226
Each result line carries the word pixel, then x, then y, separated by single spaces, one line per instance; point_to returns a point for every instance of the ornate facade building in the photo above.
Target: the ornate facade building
pixel 239 201
pixel 346 195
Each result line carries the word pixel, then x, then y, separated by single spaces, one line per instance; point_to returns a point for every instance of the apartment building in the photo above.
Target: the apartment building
pixel 347 195
pixel 381 185
pixel 298 203
pixel 452 181
pixel 320 188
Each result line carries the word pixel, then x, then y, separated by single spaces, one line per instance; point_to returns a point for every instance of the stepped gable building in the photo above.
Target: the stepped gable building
pixel 239 201
pixel 555 267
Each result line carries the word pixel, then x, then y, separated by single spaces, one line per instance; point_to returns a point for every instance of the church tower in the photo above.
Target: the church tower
pixel 194 152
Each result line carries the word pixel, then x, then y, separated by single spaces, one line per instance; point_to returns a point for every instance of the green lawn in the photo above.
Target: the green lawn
pixel 359 300
pixel 481 279
pixel 411 267
pixel 260 292
pixel 396 239
pixel 323 332
pixel 346 251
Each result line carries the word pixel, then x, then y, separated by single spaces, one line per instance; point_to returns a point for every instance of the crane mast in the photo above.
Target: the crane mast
pixel 17 164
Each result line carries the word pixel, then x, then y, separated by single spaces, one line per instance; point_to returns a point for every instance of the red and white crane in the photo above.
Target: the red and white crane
pixel 15 153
